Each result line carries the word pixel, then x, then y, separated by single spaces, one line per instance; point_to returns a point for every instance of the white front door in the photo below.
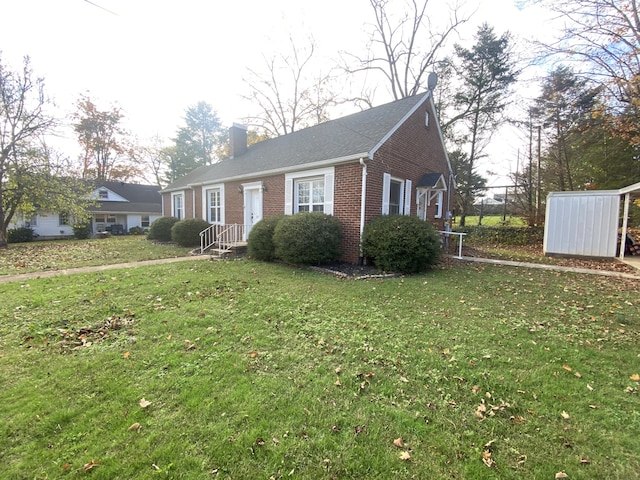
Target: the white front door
pixel 252 206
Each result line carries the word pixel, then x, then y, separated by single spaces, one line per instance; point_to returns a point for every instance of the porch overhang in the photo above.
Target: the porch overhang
pixel 430 184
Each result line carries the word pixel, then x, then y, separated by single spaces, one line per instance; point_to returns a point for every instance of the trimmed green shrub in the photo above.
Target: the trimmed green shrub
pixel 401 243
pixel 160 229
pixel 81 231
pixel 308 238
pixel 136 230
pixel 186 233
pixel 260 242
pixel 502 235
pixel 20 235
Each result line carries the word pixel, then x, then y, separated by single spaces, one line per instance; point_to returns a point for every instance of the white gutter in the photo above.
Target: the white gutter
pixel 275 171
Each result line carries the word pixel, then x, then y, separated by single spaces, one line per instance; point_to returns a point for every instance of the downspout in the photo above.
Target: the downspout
pixel 363 196
pixel 193 204
pixel 449 212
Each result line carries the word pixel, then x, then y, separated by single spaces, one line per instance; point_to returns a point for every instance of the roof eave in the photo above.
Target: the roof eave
pixel 276 171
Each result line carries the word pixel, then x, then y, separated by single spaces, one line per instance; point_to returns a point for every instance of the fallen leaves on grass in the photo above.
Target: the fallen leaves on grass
pixel 565 415
pixel 134 426
pixel 144 403
pixel 635 377
pixel 87 336
pixel 358 429
pixel 405 456
pixel 398 442
pixel 90 465
pixel 561 475
pixel 487 460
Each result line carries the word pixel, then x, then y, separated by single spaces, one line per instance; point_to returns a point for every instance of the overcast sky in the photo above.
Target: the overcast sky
pixel 155 58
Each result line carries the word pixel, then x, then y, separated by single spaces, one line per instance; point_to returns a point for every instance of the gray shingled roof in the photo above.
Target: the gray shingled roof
pixel 429 179
pixel 350 136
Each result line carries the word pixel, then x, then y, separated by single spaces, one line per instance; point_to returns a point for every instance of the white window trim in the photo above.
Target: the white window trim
pixel 405 194
pixel 205 202
pixel 173 205
pixel 290 178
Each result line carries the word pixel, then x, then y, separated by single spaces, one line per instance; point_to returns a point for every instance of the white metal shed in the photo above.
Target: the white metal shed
pixel 586 223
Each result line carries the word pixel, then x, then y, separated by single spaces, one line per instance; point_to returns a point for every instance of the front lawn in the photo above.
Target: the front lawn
pixel 64 254
pixel 241 370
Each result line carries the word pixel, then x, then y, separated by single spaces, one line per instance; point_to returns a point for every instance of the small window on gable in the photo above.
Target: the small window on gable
pixel 103 194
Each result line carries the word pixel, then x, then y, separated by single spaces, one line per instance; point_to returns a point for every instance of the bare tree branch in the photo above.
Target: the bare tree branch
pixel 404 48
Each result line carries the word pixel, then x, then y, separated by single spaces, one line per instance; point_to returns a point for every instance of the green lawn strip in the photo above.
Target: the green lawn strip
pixel 64 254
pixel 261 370
pixel 493 220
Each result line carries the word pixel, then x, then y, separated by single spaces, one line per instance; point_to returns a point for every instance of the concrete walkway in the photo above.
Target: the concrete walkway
pixel 56 273
pixel 555 268
pixel 99 268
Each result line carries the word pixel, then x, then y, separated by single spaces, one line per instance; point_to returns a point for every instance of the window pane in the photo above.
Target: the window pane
pixel 303 192
pixel 394 197
pixel 310 196
pixel 215 206
pixel 318 192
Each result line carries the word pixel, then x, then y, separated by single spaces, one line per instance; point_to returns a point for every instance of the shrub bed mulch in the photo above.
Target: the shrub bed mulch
pixel 347 270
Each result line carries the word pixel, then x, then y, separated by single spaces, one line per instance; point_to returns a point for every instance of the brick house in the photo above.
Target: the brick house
pixel 388 159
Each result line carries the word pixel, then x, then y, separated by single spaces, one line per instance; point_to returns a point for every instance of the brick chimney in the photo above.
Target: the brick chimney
pixel 237 140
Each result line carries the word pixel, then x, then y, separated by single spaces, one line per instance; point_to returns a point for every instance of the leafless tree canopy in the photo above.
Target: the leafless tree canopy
pixel 405 47
pixel 287 94
pixel 603 36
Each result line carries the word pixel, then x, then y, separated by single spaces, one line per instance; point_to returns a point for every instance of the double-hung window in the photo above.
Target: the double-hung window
pixel 396 195
pixel 177 205
pixel 214 208
pixel 309 196
pixel 309 191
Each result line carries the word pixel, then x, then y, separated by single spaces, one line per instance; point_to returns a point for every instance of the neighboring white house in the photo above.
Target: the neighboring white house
pixel 120 207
